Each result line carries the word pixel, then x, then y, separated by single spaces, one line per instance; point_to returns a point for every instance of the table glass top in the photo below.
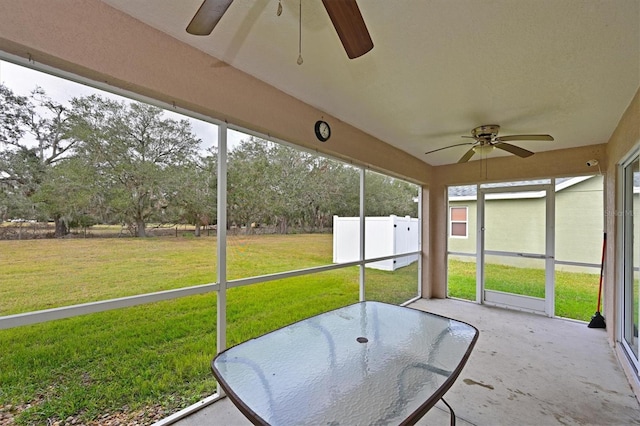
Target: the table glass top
pixel 366 363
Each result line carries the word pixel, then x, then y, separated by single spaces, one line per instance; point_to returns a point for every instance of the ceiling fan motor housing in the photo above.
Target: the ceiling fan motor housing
pixel 486 132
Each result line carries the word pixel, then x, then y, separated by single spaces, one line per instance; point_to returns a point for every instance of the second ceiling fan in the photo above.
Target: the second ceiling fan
pixel 486 139
pixel 345 16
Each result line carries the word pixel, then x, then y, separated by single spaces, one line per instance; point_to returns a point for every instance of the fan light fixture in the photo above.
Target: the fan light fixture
pixel 483 149
pixel 486 139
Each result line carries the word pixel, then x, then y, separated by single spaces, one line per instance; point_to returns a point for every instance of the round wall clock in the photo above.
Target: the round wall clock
pixel 323 131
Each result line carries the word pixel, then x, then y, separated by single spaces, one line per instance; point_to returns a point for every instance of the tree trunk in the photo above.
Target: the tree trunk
pixel 197 231
pixel 61 227
pixel 141 228
pixel 284 226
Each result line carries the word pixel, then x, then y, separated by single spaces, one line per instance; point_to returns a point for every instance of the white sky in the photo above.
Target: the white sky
pixel 22 81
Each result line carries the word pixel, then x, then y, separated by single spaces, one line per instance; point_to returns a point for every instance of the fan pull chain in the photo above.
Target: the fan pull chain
pixel 484 167
pixel 300 60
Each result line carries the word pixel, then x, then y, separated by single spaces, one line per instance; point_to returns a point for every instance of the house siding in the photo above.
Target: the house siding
pixel 578 227
pixel 580 223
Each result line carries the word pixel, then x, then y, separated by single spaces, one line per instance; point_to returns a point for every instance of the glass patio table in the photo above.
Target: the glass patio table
pixel 367 363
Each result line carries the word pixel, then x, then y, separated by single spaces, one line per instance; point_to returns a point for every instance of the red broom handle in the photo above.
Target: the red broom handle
pixel 604 246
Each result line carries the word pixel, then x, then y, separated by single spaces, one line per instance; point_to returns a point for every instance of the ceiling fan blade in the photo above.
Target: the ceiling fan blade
pixel 467 156
pixel 206 18
pixel 520 152
pixel 447 147
pixel 524 138
pixel 347 20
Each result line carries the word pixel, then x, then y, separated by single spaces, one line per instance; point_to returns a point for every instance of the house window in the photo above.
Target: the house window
pixel 458 222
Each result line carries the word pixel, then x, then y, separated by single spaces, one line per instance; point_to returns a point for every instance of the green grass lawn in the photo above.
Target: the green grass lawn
pixel 576 293
pixel 40 274
pixel 158 354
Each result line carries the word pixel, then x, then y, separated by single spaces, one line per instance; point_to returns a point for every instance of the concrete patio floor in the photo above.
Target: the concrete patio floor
pixel 526 369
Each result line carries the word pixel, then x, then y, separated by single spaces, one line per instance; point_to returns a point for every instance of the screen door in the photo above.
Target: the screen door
pixel 516 246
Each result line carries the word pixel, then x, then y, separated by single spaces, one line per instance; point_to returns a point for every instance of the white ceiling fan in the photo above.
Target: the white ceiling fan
pixel 486 139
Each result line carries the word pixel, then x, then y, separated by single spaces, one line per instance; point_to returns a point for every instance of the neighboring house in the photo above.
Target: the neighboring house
pixel 579 224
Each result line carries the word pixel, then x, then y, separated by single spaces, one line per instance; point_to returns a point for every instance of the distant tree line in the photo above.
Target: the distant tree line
pixel 96 160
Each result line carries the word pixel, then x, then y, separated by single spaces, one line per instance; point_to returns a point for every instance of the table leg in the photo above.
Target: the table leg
pixel 453 415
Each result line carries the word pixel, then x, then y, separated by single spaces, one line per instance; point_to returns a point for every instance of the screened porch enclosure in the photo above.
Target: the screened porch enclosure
pixel 101 303
pixel 236 242
pixel 515 246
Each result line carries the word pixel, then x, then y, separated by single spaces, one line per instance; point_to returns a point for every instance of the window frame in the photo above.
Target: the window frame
pixel 452 222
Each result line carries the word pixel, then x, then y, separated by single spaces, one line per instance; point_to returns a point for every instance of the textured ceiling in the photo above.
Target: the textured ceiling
pixel 438 68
